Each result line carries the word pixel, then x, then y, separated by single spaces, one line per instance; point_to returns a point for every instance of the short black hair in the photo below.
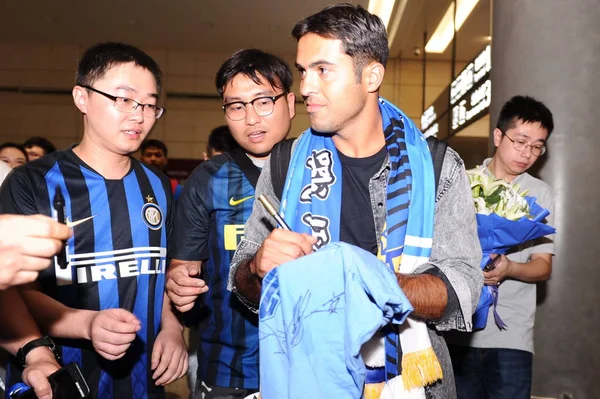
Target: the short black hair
pixel 153 143
pixel 527 110
pixel 251 63
pixel 41 142
pixel 221 140
pixel 14 145
pixel 99 58
pixel 362 34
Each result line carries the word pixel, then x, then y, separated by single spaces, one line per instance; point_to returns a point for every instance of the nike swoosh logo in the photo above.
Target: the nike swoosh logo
pixel 234 202
pixel 78 222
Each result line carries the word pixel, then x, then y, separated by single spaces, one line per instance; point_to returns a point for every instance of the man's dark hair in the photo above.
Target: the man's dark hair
pixel 362 34
pixel 221 140
pixel 527 110
pixel 252 63
pixel 14 145
pixel 101 57
pixel 41 142
pixel 153 143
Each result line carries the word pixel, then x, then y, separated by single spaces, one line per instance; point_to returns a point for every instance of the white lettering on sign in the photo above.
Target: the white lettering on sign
pixel 471 75
pixel 428 118
pixel 465 111
pixel 432 131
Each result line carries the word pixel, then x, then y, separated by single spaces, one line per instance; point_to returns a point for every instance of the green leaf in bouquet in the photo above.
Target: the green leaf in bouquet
pixel 495 197
pixel 492 186
pixel 515 212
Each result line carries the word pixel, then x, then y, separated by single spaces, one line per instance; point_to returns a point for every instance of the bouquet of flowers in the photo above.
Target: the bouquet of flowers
pixel 505 218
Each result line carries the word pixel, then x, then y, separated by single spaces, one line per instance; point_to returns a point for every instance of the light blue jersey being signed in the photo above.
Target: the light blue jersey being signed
pixel 315 314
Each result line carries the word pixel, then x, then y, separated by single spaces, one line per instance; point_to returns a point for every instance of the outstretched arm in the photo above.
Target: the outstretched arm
pixel 111 331
pixel 17 329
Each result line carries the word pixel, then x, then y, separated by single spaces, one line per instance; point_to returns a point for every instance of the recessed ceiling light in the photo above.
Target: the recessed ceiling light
pixel 444 33
pixel 383 9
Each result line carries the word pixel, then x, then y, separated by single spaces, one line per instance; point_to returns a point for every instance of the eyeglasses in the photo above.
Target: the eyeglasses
pixel 263 106
pixel 521 145
pixel 125 104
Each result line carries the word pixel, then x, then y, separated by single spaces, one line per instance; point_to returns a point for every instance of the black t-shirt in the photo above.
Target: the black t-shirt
pixel 357 224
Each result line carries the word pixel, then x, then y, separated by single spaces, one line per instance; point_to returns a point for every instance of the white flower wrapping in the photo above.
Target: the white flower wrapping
pixel 498 196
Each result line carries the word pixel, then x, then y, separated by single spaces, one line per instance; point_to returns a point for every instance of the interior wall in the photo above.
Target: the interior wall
pixel 471 143
pixel 27 69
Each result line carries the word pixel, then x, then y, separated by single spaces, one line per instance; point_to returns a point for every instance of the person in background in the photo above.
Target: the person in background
pixel 216 202
pixel 13 154
pixel 154 152
pixel 494 363
pixel 4 171
pixel 36 147
pixel 220 140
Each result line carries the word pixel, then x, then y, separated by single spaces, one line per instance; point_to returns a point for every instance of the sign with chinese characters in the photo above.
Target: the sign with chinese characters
pixel 473 73
pixel 434 121
pixel 473 106
pixel 429 126
pixel 466 100
pixel 471 91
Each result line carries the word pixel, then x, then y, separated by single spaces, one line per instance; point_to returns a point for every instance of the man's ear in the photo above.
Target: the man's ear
pixel 497 137
pixel 373 75
pixel 80 97
pixel 291 102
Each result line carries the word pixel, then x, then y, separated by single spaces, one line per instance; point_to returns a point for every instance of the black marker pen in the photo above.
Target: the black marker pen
pixel 59 209
pixel 263 200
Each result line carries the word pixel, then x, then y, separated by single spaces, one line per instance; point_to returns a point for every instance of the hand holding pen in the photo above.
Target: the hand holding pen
pixel 269 207
pixel 281 246
pixel 27 245
pixel 59 214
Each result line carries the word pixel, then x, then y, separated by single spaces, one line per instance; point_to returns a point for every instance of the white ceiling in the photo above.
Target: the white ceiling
pixel 211 25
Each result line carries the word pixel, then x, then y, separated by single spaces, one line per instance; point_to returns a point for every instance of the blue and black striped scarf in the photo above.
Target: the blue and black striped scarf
pixel 314 207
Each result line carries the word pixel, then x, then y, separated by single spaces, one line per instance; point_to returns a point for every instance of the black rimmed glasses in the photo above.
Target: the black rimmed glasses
pixel 263 106
pixel 520 145
pixel 128 105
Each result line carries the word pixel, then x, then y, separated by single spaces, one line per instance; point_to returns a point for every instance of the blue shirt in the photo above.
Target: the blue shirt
pixel 116 257
pixel 315 314
pixel 216 201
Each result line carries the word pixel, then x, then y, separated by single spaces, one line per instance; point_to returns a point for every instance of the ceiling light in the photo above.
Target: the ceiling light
pixel 394 24
pixel 443 34
pixel 383 9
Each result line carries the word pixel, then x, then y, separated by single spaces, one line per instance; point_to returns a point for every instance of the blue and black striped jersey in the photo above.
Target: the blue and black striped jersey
pixel 216 201
pixel 116 257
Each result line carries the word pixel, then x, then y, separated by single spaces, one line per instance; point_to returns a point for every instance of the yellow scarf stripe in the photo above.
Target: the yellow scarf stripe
pixel 373 391
pixel 420 368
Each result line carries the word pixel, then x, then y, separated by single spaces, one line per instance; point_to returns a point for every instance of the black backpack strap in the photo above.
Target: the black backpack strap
pixel 251 171
pixel 280 162
pixel 438 152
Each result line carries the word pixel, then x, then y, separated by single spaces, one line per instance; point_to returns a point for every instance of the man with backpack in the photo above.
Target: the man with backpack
pixel 363 174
